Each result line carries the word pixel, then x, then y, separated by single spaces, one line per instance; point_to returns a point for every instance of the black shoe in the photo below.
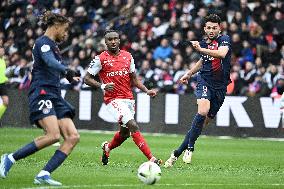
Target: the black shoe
pixel 105 155
pixel 159 162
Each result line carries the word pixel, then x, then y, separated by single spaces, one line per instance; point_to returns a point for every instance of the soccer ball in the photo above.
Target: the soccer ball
pixel 149 173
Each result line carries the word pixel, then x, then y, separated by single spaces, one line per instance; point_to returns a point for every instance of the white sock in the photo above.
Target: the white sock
pixel 42 173
pixel 11 158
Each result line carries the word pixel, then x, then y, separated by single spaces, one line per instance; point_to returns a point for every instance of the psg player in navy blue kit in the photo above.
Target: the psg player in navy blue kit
pixel 213 77
pixel 48 109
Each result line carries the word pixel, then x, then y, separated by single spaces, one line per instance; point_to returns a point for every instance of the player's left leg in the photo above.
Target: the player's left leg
pixel 71 138
pixel 141 142
pixel 203 94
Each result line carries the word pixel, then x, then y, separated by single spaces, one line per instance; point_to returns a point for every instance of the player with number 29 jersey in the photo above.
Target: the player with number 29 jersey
pixel 45 93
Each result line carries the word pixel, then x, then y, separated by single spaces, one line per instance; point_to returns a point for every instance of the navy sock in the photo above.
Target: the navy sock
pixel 56 160
pixel 192 134
pixel 183 145
pixel 25 151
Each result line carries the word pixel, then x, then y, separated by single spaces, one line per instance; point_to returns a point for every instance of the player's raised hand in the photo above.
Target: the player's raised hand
pixel 196 45
pixel 152 92
pixel 109 86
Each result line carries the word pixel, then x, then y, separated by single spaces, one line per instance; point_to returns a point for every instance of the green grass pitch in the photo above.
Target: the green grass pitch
pixel 217 163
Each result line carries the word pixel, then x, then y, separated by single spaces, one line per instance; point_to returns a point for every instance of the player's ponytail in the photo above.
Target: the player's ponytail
pixel 49 19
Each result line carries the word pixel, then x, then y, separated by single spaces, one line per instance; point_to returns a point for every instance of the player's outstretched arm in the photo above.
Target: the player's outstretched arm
pixel 49 58
pixel 89 80
pixel 184 79
pixel 137 83
pixel 220 53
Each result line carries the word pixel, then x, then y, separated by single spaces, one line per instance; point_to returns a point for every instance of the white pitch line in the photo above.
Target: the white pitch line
pixel 139 185
pixel 176 135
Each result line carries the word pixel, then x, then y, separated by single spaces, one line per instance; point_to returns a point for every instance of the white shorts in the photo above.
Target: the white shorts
pixel 123 110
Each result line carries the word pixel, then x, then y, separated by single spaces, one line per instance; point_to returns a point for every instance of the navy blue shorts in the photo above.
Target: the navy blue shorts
pixel 215 96
pixel 45 105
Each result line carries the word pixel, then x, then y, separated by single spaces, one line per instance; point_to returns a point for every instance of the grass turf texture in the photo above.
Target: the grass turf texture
pixel 217 163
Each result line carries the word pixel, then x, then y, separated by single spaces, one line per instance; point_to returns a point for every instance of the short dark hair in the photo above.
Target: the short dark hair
pixel 212 18
pixel 110 31
pixel 49 19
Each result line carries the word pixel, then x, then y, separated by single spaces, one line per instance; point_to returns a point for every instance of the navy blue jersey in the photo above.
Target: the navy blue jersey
pixel 47 67
pixel 215 71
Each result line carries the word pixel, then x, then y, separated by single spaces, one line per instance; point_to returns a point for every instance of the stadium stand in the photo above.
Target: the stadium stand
pixel 157 33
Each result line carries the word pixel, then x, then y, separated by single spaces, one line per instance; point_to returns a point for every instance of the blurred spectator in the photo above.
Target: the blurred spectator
pixel 157 34
pixel 163 51
pixel 246 54
pixel 271 76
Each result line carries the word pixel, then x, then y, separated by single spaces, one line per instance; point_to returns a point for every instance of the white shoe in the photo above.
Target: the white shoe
pixel 171 161
pixel 46 179
pixel 5 165
pixel 187 156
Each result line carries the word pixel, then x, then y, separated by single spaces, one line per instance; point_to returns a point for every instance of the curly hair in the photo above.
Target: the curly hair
pixel 212 18
pixel 50 19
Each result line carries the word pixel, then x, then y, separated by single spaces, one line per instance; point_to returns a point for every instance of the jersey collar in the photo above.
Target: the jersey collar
pixel 209 41
pixel 110 54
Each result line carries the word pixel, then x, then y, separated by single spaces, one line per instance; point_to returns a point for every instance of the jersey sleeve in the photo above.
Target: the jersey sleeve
pixel 48 57
pixel 132 65
pixel 225 41
pixel 95 66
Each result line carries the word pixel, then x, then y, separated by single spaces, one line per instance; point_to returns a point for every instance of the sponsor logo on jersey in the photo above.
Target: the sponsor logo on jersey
pixel 117 73
pixel 207 57
pixel 109 62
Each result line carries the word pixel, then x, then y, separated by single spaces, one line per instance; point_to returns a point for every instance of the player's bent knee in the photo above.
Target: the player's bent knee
pixel 125 135
pixel 73 138
pixel 53 138
pixel 133 126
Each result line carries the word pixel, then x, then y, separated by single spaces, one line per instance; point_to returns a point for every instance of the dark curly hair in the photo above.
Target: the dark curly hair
pixel 212 18
pixel 50 19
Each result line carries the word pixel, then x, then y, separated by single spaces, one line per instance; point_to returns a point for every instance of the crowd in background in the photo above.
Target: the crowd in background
pixel 158 34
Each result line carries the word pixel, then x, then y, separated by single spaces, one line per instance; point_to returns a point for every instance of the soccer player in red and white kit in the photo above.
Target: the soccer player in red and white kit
pixel 116 70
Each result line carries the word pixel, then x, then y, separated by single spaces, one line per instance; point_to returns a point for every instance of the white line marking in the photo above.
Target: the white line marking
pixel 176 135
pixel 138 185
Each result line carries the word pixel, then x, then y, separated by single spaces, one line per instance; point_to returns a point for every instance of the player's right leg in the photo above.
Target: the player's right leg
pixel 118 138
pixel 117 108
pixel 52 135
pixel 187 146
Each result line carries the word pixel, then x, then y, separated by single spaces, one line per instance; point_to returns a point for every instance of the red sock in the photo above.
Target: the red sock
pixel 116 141
pixel 142 145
